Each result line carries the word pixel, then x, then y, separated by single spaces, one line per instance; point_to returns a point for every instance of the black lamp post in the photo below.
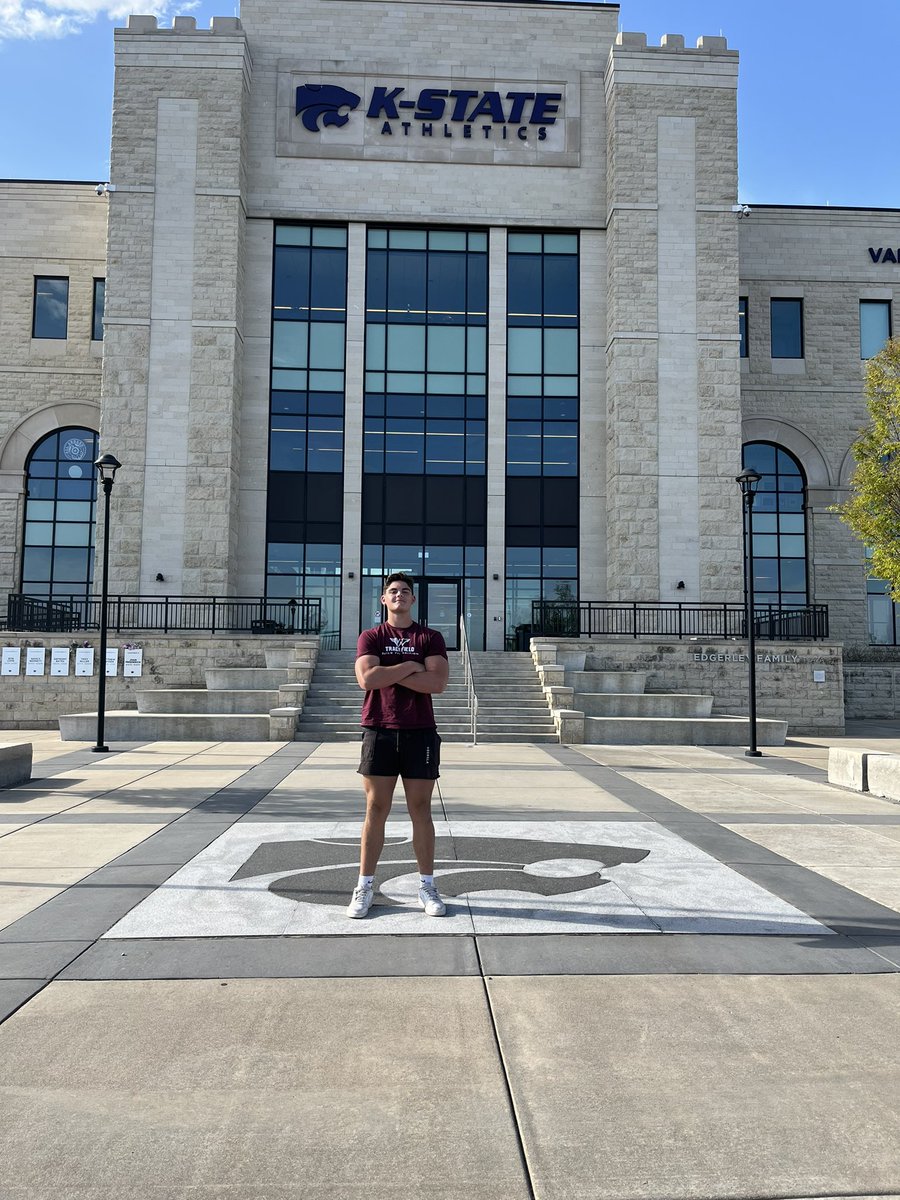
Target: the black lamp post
pixel 748 481
pixel 106 465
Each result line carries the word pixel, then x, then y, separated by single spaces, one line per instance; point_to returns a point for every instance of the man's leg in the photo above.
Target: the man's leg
pixel 379 796
pixel 418 802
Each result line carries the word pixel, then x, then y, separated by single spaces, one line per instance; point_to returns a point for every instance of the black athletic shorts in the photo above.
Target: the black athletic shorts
pixel 409 753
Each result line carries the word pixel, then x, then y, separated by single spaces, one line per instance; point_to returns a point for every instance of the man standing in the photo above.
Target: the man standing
pixel 400 665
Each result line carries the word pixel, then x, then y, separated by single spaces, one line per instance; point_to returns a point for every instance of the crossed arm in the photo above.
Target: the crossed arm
pixel 430 677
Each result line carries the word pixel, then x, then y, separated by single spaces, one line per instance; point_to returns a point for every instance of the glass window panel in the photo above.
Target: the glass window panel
pixel 446 405
pixel 478 241
pixel 48 448
pixel 476 288
pixel 36 562
pixel 97 310
pixel 285 558
pixel 560 351
pixel 405 406
pixel 742 325
pixel 39 533
pixel 560 561
pixel 376 284
pixel 793 574
pixel 561 286
pixel 476 339
pixel 289 344
pixel 519 596
pixel 881 624
pixel 446 239
pixel 447 385
pixel 764 543
pixel 325 443
pixel 760 456
pixel 524 351
pixel 793 546
pixel 764 522
pixel 560 409
pixel 787 328
pixel 291 286
pixel 524 408
pixel 560 243
pixel 403 558
pixel 51 308
pixel 399 382
pixel 70 564
pixel 447 283
pixel 445 448
pixel 474 560
pixel 328 277
pixel 407 239
pixel 524 285
pixel 377 237
pixel 787 468
pixel 292 235
pixel 372 559
pixel 375 337
pixel 329 236
pixel 476 406
pixel 523 561
pixel 476 384
pixel 287 450
pixel 524 243
pixel 284 587
pixel 790 523
pixel 790 501
pixel 289 402
pixel 406 285
pixel 326 402
pixel 447 347
pixel 39 510
pixel 524 385
pixel 323 558
pixel 290 381
pixel 326 346
pixel 404 448
pixel 41 487
pixel 72 510
pixel 444 560
pixel 765 575
pixel 327 381
pixel 374 382
pixel 406 348
pixel 561 385
pixel 560 448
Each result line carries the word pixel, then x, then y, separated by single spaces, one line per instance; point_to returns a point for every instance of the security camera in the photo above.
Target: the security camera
pixel 742 210
pixel 100 189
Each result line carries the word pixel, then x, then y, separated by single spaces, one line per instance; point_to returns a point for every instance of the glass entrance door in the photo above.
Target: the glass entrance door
pixel 440 608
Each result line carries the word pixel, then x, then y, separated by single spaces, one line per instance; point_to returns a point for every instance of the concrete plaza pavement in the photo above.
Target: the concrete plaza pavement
pixel 666 972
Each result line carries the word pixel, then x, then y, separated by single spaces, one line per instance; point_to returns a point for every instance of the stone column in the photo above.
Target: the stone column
pixel 172 362
pixel 495 550
pixel 673 379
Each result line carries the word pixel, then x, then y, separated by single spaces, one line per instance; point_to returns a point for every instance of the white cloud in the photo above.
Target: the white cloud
pixel 33 19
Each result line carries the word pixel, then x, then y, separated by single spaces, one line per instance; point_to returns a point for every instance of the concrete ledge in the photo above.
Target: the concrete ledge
pixel 848 766
pixel 883 772
pixel 681 731
pixel 15 764
pixel 569 726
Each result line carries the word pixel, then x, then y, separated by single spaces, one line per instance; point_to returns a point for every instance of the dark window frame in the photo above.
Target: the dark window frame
pixel 44 337
pixel 778 512
pixel 744 325
pixel 801 331
pixel 890 323
pixel 97 316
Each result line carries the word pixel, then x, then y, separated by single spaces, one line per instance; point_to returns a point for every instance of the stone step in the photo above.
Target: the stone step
pixel 648 704
pixel 131 726
pixel 683 731
pixel 245 678
pixel 592 682
pixel 280 656
pixel 199 700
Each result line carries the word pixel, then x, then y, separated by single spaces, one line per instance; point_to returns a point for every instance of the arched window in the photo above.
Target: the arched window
pixel 779 525
pixel 61 494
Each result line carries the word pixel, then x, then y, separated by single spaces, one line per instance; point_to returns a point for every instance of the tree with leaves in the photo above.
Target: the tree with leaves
pixel 873 509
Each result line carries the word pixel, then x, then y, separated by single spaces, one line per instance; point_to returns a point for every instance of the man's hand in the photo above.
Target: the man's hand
pixel 433 677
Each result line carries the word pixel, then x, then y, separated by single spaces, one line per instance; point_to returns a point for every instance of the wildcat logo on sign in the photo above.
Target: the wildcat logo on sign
pixel 348 115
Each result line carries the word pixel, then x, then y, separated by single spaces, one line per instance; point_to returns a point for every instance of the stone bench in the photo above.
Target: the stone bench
pixel 884 776
pixel 848 766
pixel 15 764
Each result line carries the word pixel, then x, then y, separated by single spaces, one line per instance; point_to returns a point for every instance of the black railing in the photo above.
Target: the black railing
pixel 166 614
pixel 637 619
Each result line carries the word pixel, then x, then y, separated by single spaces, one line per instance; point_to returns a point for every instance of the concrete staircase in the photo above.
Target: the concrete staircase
pixel 600 707
pixel 238 704
pixel 511 705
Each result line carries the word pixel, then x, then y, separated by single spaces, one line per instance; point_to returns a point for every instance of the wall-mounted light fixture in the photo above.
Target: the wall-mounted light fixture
pixel 350 575
pixel 160 578
pixel 679 586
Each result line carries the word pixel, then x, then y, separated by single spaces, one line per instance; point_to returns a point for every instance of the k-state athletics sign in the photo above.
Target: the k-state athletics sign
pixel 343 114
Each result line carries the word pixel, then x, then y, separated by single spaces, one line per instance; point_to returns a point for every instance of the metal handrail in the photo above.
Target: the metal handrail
pixel 637 619
pixel 471 695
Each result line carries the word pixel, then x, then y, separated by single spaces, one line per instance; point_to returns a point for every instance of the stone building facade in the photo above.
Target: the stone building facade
pixel 566 421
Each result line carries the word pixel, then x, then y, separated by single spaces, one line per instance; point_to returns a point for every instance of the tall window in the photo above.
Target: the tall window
pixel 306 437
pixel 787 328
pixel 874 326
pixel 61 494
pixel 97 310
pixel 424 495
pixel 51 307
pixel 742 325
pixel 779 526
pixel 542 421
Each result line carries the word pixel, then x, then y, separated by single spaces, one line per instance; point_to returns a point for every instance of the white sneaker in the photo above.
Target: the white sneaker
pixel 361 900
pixel 430 900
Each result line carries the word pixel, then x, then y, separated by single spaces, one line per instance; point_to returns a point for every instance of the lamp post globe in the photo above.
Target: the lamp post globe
pixel 106 465
pixel 748 481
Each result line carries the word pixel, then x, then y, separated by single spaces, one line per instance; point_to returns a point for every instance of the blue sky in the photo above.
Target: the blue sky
pixel 817 100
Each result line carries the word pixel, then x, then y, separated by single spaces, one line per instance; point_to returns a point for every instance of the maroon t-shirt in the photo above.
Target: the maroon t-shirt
pixel 397 707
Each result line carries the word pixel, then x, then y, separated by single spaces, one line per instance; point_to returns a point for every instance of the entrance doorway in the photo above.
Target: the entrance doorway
pixel 439 606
